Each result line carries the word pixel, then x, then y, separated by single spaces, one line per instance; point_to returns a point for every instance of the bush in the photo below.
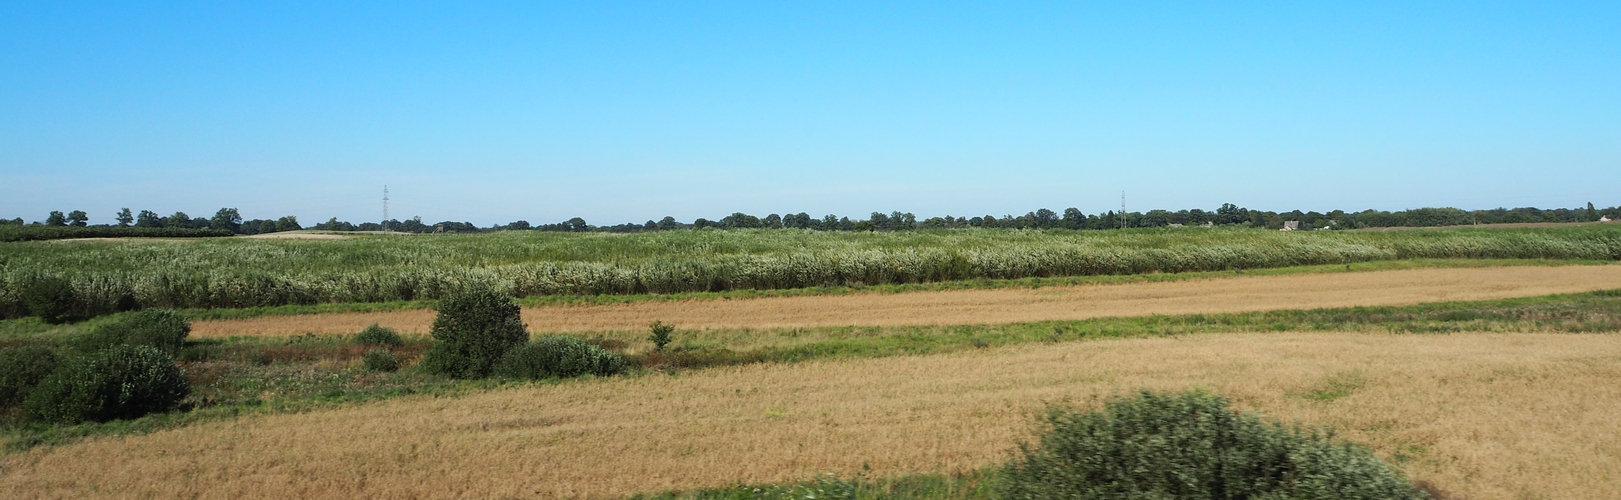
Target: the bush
pixel 661 335
pixel 118 383
pixel 473 330
pixel 558 356
pixel 1189 446
pixel 379 335
pixel 160 329
pixel 381 360
pixel 52 299
pixel 21 368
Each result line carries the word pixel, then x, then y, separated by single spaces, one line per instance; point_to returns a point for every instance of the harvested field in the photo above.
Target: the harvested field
pixel 1236 294
pixel 1484 416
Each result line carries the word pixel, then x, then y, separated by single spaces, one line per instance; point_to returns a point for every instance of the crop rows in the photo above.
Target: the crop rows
pixel 245 273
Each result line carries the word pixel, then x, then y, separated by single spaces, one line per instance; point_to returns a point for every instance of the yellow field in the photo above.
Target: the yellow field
pixel 1484 416
pixel 1237 294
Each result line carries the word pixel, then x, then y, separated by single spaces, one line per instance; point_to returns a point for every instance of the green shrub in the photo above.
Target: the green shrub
pixel 156 328
pixel 381 360
pixel 473 330
pixel 117 383
pixel 661 335
pixel 379 335
pixel 52 299
pixel 1192 446
pixel 21 368
pixel 558 356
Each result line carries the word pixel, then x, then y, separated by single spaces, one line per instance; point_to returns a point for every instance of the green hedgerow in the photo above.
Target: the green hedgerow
pixel 52 299
pixel 558 356
pixel 21 368
pixel 380 360
pixel 158 328
pixel 1192 446
pixel 379 335
pixel 473 330
pixel 120 382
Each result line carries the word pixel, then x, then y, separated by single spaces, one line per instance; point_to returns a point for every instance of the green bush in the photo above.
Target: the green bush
pixel 1192 446
pixel 379 335
pixel 52 299
pixel 558 356
pixel 156 328
pixel 21 368
pixel 661 335
pixel 117 383
pixel 474 329
pixel 381 360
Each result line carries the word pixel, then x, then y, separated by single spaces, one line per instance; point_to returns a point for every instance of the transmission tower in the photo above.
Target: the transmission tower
pixel 385 206
pixel 1122 210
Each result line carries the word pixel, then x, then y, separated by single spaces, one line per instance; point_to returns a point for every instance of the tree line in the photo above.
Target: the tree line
pixel 229 219
pixel 225 219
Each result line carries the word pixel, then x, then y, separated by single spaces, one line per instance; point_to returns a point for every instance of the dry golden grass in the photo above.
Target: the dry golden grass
pixel 1485 416
pixel 1237 294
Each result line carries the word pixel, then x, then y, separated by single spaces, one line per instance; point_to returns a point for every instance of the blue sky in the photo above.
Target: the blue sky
pixel 623 112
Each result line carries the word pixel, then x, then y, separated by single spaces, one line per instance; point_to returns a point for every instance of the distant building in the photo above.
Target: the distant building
pixel 1175 225
pixel 1290 225
pixel 1604 219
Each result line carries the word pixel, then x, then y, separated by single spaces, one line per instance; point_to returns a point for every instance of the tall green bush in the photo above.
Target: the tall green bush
pixel 22 368
pixel 52 299
pixel 161 329
pixel 474 329
pixel 121 382
pixel 379 335
pixel 1192 446
pixel 558 356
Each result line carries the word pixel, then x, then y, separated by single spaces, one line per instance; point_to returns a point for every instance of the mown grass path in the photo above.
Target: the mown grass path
pixel 1213 294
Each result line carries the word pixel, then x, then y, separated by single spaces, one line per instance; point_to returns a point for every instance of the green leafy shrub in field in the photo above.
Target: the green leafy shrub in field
pixel 120 382
pixel 473 330
pixel 380 360
pixel 558 356
pixel 52 299
pixel 156 328
pixel 1192 446
pixel 661 335
pixel 379 335
pixel 21 368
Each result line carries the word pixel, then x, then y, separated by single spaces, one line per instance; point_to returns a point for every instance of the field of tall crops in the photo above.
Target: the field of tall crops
pixel 240 272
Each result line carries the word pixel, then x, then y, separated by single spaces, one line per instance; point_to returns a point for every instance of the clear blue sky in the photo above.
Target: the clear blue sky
pixel 625 112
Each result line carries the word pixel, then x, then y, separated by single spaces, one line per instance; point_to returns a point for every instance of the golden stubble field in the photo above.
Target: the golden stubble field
pixel 1007 305
pixel 1485 416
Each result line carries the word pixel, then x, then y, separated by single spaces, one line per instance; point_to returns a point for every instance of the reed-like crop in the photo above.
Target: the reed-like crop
pixel 238 272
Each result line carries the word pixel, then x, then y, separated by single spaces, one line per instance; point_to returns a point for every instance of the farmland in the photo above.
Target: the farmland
pixel 1231 293
pixel 1481 415
pixel 241 272
pixel 1477 361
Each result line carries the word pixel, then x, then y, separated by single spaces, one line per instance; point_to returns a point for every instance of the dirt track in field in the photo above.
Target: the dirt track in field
pixel 1484 416
pixel 1008 305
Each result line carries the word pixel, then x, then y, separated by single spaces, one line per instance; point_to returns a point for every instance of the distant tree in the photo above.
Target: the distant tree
pixel 668 223
pixel 1592 214
pixel 125 218
pixel 772 221
pixel 878 221
pixel 78 218
pixel 148 218
pixel 226 218
pixel 177 219
pixel 56 219
pixel 288 223
pixel 577 224
pixel 701 223
pixel 1046 219
pixel 830 222
pixel 521 225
